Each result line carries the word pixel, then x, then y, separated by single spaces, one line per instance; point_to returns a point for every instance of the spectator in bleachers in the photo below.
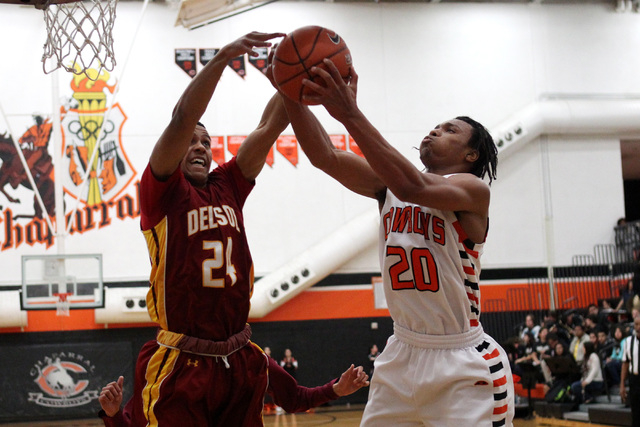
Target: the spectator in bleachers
pixel 553 342
pixel 591 384
pixel 626 297
pixel 551 321
pixel 513 347
pixel 605 343
pixel 527 349
pixel 613 363
pixel 542 346
pixel 576 347
pixel 591 323
pixel 530 326
pixel 566 377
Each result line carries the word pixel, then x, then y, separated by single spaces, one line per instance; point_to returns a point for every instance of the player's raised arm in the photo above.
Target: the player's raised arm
pixel 396 172
pixel 174 141
pixel 253 151
pixel 349 169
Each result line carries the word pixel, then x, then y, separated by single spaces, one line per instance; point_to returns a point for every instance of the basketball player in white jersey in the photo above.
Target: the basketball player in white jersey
pixel 438 368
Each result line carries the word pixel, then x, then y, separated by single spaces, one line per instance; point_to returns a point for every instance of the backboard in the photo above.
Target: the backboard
pixel 46 277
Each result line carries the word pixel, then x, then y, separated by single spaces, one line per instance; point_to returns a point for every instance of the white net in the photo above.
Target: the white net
pixel 79 37
pixel 63 304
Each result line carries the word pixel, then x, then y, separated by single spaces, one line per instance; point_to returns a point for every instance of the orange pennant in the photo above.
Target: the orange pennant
pixel 217 149
pixel 287 145
pixel 233 143
pixel 354 147
pixel 339 142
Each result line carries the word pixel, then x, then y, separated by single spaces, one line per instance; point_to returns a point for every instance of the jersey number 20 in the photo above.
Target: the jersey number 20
pixel 210 265
pixel 421 262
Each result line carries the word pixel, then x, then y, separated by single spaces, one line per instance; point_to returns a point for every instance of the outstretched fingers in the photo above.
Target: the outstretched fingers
pixel 256 39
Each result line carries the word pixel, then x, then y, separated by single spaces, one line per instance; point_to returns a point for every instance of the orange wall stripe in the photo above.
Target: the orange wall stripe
pixel 336 303
pixel 326 304
pixel 83 319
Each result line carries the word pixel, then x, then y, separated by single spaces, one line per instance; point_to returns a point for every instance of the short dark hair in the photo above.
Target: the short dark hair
pixel 482 141
pixel 200 124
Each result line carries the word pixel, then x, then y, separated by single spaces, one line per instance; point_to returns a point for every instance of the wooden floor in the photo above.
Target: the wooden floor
pixel 334 416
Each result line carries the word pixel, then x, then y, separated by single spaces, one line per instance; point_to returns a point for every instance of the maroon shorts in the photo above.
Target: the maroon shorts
pixel 177 388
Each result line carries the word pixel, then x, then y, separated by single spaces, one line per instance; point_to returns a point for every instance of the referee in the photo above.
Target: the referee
pixel 631 369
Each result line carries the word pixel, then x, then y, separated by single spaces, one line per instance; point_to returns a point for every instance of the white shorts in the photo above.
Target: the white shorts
pixel 449 380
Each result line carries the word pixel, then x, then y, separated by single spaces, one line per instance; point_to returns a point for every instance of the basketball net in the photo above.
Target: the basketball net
pixel 63 304
pixel 79 37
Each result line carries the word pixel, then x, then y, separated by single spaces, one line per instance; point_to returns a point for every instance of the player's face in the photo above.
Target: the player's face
pixel 446 145
pixel 197 161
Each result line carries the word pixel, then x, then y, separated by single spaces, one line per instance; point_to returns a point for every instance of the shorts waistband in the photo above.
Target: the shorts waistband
pixel 466 339
pixel 205 347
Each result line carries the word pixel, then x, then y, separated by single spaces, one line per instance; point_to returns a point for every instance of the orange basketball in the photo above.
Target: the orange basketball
pixel 304 48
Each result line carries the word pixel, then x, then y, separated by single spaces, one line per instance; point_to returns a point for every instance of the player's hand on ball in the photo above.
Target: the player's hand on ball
pixel 269 71
pixel 111 397
pixel 337 96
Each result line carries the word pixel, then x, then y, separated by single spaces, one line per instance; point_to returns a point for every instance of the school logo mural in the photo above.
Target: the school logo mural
pixel 63 379
pixel 96 169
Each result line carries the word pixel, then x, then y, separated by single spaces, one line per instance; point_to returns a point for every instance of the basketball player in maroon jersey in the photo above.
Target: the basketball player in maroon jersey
pixel 283 388
pixel 202 369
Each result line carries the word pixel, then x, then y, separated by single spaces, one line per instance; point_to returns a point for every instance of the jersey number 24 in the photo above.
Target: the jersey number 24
pixel 211 277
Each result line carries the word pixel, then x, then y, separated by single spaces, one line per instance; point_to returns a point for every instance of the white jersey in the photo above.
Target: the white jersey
pixel 430 269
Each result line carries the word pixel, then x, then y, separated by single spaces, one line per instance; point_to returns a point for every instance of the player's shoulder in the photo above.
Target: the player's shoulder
pixel 469 181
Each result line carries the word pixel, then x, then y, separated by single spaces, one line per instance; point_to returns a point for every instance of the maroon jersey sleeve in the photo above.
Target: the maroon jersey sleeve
pixel 151 193
pixel 293 397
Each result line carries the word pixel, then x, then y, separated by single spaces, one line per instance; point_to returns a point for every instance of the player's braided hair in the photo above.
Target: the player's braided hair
pixel 482 141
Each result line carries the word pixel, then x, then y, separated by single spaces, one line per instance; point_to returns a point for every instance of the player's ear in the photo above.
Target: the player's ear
pixel 472 156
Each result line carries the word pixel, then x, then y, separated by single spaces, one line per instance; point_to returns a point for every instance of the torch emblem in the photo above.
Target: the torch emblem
pixel 89 126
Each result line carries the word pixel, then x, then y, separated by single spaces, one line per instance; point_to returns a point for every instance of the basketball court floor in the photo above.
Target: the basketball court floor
pixel 333 416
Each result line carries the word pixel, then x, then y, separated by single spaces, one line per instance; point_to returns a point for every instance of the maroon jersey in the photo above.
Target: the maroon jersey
pixel 201 268
pixel 282 387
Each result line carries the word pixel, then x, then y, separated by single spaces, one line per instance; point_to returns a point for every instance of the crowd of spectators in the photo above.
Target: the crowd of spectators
pixel 578 352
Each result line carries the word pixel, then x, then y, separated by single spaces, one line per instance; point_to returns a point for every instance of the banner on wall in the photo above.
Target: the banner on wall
pixel 233 145
pixel 237 64
pixel 60 381
pixel 287 145
pixel 260 61
pixel 354 147
pixel 339 141
pixel 92 149
pixel 186 60
pixel 217 149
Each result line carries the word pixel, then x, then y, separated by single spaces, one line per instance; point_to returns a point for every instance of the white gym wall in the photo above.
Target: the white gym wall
pixel 419 64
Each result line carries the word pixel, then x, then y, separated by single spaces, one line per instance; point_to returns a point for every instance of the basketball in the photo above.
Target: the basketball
pixel 303 49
